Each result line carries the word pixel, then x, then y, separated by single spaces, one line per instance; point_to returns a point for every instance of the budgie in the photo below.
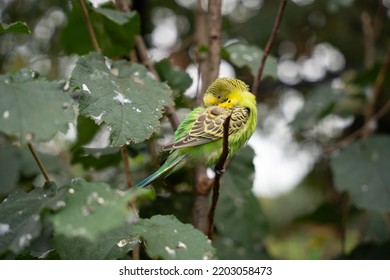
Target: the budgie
pixel 199 137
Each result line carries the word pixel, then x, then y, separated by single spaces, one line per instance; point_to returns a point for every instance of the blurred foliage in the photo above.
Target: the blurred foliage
pixel 17 27
pixel 328 53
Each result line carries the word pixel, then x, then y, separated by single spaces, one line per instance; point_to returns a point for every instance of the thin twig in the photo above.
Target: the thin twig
pixel 369 38
pixel 39 162
pixel 351 137
pixel 268 47
pixel 367 128
pixel 219 170
pixel 144 55
pixel 91 32
pixel 126 163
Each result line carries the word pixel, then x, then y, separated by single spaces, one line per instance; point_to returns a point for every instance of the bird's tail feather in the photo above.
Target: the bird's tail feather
pixel 164 170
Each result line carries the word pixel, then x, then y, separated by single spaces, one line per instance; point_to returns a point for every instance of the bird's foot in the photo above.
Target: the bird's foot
pixel 220 171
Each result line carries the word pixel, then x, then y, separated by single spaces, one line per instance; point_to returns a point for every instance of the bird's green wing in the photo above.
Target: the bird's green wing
pixel 208 126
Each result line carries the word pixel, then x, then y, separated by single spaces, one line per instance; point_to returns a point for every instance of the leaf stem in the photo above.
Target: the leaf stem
pixel 39 162
pixel 268 47
pixel 367 128
pixel 91 32
pixel 219 170
pixel 126 163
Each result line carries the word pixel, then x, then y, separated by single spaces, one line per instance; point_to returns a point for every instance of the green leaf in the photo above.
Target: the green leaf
pixel 239 219
pixel 242 55
pixel 362 170
pixel 112 244
pixel 169 239
pixel 318 104
pixel 32 107
pixel 20 216
pixel 176 78
pixel 93 209
pixel 124 97
pixel 15 27
pixel 114 30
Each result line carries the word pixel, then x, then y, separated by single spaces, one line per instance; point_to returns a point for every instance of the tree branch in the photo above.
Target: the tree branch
pixel 91 32
pixel 219 170
pixel 367 128
pixel 39 162
pixel 202 184
pixel 214 40
pixel 268 47
pixel 201 41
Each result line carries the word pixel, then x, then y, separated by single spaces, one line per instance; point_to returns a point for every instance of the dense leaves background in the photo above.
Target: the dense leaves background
pixel 78 108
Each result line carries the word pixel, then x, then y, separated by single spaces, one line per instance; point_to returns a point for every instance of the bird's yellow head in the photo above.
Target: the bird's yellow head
pixel 227 92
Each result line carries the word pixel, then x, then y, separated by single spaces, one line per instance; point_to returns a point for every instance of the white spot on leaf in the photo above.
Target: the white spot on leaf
pixel 65 105
pixel 4 229
pixel 122 243
pixel 24 240
pixel 121 98
pixel 170 251
pixel 60 204
pixel 181 245
pixel 66 86
pixel 85 88
pixel 100 201
pixel 5 115
pixel 107 61
pixel 98 119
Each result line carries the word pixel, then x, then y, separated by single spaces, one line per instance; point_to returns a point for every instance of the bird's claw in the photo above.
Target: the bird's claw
pixel 220 171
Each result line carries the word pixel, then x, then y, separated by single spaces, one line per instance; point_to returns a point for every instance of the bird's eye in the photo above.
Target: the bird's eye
pixel 218 96
pixel 229 101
